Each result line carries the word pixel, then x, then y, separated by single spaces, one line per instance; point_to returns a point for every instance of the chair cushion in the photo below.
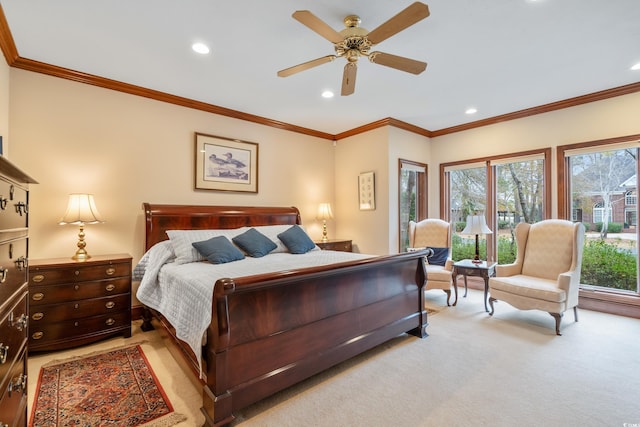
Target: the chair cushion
pixel 436 272
pixel 530 287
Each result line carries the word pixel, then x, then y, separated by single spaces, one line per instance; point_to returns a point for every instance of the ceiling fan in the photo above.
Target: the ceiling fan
pixel 355 41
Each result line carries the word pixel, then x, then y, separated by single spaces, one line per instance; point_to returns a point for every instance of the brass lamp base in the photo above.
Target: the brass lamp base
pixel 81 254
pixel 324 230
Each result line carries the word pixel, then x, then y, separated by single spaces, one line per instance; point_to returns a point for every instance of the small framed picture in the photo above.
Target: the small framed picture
pixel 367 191
pixel 225 164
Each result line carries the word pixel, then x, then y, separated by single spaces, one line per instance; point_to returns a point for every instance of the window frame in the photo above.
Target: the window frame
pixel 422 192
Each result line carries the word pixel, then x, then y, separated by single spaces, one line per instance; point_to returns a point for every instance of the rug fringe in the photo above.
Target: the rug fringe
pixel 94 353
pixel 166 420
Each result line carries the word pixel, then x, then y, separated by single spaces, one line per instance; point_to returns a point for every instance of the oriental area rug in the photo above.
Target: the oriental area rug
pixel 115 388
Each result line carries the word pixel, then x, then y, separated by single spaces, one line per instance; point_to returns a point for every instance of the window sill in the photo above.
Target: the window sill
pixel 623 304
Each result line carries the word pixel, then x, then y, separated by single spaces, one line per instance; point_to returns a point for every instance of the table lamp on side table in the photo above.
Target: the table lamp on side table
pixel 476 224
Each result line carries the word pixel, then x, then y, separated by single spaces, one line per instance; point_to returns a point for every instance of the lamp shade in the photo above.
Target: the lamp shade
pixel 324 211
pixel 476 224
pixel 81 209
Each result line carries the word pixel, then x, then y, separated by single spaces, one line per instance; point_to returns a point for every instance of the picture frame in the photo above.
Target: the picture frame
pixel 367 191
pixel 225 164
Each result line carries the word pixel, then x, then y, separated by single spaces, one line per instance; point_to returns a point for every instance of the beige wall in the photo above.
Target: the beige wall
pixel 127 150
pixel 609 118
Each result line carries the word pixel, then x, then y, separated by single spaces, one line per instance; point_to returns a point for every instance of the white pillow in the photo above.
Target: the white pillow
pixel 182 240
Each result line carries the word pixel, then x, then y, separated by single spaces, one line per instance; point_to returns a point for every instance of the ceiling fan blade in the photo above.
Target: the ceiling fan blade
pixel 398 62
pixel 409 16
pixel 305 66
pixel 349 79
pixel 318 25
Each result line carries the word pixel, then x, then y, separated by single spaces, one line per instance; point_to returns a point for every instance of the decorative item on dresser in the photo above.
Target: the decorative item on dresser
pixel 81 210
pixel 14 233
pixel 324 213
pixel 335 245
pixel 74 303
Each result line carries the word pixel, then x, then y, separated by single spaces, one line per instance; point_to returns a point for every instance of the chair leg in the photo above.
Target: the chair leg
pixel 491 300
pixel 575 313
pixel 448 292
pixel 558 317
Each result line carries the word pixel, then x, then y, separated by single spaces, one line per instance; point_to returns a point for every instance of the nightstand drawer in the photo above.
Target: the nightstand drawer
pixel 48 333
pixel 77 309
pixel 68 292
pixel 50 275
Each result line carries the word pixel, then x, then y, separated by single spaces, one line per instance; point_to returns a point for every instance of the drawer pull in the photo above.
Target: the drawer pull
pixel 76 287
pixel 38 296
pixel 110 271
pixel 4 352
pixel 76 306
pixel 3 274
pixel 38 278
pixel 37 335
pixel 18 384
pixel 37 316
pixel 3 202
pixel 110 322
pixel 110 304
pixel 20 324
pixel 21 207
pixel 77 272
pixel 76 323
pixel 110 287
pixel 21 263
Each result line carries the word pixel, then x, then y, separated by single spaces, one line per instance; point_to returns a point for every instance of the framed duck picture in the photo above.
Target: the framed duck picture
pixel 225 164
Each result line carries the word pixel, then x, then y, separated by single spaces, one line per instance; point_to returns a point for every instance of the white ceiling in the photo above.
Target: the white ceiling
pixel 498 56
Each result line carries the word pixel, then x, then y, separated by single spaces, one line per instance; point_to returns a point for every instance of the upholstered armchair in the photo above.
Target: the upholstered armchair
pixel 546 273
pixel 435 234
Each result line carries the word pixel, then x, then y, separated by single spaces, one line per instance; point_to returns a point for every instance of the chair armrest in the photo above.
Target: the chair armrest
pixel 505 270
pixel 448 265
pixel 570 283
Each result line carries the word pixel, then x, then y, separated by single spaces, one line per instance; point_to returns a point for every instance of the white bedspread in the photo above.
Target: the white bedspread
pixel 183 293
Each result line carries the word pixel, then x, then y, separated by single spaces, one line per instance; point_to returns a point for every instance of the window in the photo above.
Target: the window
pixel 412 179
pixel 507 189
pixel 603 177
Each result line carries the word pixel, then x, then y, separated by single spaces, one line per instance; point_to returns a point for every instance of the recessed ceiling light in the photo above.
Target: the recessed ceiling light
pixel 327 94
pixel 636 67
pixel 471 111
pixel 200 48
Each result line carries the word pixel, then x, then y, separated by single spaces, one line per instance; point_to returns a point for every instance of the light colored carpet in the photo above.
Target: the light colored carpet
pixel 509 369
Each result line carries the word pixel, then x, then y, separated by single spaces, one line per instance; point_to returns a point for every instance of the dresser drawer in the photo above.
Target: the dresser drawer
pixel 46 333
pixel 78 309
pixel 13 205
pixel 51 275
pixel 13 334
pixel 13 400
pixel 68 292
pixel 13 267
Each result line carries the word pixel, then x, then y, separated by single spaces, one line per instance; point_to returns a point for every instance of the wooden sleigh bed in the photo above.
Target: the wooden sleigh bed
pixel 271 331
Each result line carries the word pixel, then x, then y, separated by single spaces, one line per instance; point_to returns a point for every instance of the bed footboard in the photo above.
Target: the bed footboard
pixel 270 332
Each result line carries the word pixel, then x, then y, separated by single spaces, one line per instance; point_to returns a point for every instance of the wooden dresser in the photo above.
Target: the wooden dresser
pixel 14 223
pixel 73 303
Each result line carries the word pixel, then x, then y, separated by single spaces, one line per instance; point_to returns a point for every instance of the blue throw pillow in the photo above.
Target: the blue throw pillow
pixel 254 243
pixel 218 250
pixel 296 240
pixel 438 256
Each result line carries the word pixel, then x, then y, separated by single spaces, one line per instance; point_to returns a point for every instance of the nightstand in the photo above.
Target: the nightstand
pixel 73 303
pixel 335 245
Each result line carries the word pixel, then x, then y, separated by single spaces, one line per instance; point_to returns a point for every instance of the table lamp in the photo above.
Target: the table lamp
pixel 81 210
pixel 324 213
pixel 476 224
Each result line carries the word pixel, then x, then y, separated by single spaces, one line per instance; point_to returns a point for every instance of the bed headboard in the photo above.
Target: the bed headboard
pixel 160 218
